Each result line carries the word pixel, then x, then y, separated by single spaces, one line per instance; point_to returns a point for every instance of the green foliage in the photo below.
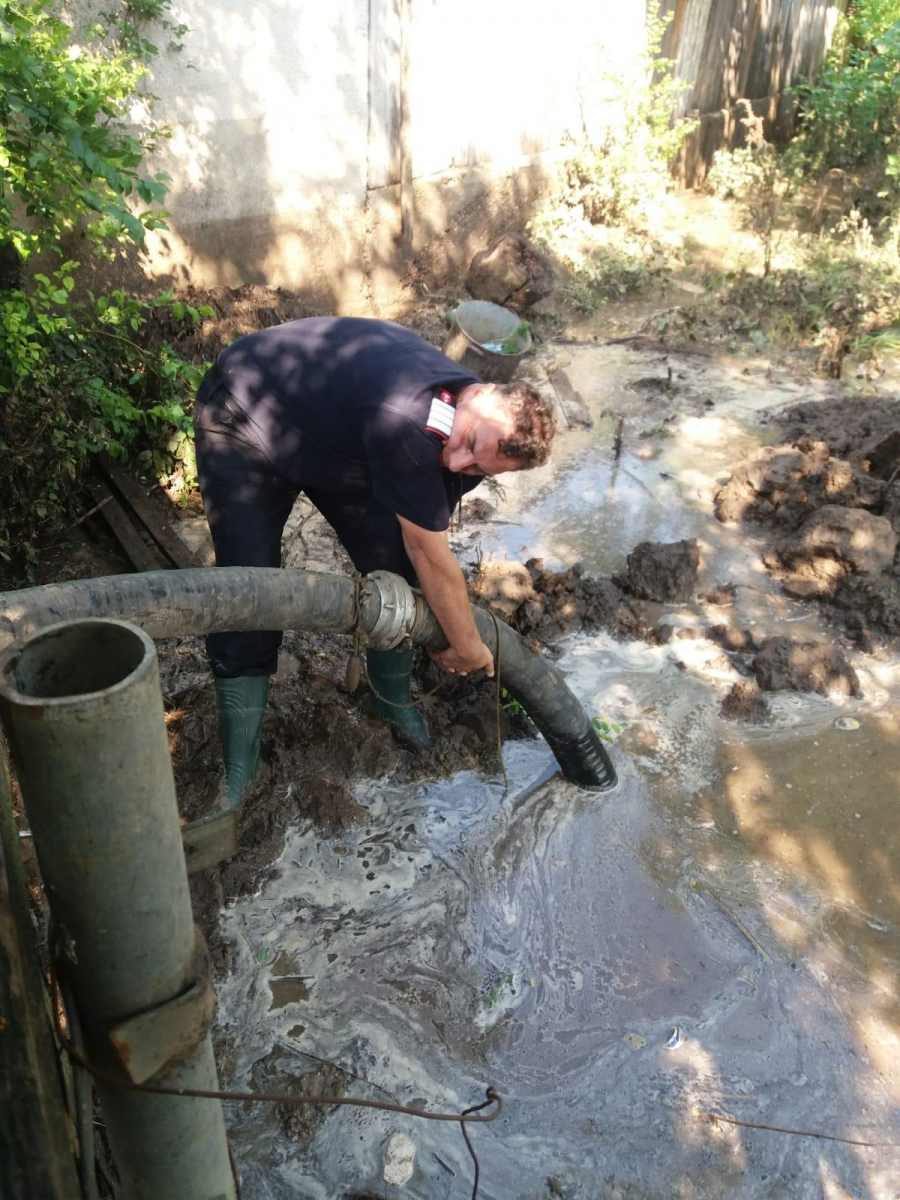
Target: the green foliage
pixel 75 380
pixel 764 182
pixel 851 112
pixel 67 156
pixel 513 342
pixel 611 273
pixel 492 996
pixel 622 179
pixel 867 20
pixel 607 730
pixel 512 706
pixel 77 371
pixel 843 297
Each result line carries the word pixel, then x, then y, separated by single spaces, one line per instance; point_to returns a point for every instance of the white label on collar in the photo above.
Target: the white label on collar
pixel 441 416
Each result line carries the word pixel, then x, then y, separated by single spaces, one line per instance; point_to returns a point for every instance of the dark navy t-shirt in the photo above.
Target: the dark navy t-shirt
pixel 343 404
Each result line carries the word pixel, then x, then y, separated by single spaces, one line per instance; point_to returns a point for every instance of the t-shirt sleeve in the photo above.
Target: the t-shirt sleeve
pixel 404 463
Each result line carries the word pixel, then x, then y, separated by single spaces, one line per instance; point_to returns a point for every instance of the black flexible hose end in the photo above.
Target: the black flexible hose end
pixel 584 761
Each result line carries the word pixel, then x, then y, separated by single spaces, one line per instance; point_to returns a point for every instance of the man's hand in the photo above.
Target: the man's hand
pixel 457 663
pixel 445 590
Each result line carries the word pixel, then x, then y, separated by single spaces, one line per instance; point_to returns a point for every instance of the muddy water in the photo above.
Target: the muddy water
pixel 719 933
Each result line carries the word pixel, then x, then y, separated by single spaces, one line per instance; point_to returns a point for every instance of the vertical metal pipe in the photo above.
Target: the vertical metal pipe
pixel 82 707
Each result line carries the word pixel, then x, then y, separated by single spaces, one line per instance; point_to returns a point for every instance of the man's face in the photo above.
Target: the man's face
pixel 476 453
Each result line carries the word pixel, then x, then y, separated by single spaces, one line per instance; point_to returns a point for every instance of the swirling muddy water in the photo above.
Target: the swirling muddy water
pixel 720 933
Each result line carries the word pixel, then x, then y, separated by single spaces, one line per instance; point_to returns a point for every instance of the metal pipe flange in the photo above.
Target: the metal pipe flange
pixel 394 605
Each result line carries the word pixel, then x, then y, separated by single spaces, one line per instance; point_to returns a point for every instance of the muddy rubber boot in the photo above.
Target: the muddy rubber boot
pixel 389 676
pixel 242 702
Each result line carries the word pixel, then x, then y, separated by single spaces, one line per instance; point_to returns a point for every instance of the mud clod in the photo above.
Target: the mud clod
pixel 238 311
pixel 785 665
pixel 721 596
pixel 834 505
pixel 883 455
pixel 513 273
pixel 547 605
pixel 478 509
pixel 684 633
pixel 745 703
pixel 832 543
pixel 736 641
pixel 870 604
pixel 661 571
pixel 784 485
pixel 332 807
pixel 849 425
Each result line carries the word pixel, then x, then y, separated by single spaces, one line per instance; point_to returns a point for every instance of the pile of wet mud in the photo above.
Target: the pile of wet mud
pixel 545 606
pixel 238 311
pixel 830 499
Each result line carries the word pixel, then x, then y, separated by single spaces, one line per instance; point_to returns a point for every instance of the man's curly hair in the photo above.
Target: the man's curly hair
pixel 535 418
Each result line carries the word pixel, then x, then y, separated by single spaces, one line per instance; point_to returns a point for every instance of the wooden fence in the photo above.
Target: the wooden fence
pixel 730 50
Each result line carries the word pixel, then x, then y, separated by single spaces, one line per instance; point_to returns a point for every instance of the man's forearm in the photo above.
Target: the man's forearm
pixel 445 590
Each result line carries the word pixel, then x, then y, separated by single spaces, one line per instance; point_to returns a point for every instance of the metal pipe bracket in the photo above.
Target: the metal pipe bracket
pixel 149 1041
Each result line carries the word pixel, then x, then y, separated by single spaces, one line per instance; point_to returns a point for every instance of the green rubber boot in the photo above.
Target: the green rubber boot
pixel 242 702
pixel 389 676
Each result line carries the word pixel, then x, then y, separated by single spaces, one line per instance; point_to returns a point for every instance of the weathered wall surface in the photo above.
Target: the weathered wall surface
pixel 286 155
pixel 288 147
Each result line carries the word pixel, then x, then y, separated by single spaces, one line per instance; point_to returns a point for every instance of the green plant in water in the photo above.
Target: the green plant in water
pixel 492 997
pixel 509 704
pixel 607 730
pixel 513 342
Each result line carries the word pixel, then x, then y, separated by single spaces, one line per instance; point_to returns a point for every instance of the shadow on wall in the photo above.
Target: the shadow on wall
pixel 274 136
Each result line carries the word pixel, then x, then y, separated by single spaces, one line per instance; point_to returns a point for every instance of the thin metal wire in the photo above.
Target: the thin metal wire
pixel 497 691
pixel 827 1137
pixel 239 1195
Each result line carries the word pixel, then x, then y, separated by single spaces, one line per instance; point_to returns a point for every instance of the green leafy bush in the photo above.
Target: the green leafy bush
pixel 763 180
pixel 851 112
pixel 76 373
pixel 622 179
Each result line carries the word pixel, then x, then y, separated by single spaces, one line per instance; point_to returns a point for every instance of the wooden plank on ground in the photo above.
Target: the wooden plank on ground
pixel 573 406
pixel 155 523
pixel 140 554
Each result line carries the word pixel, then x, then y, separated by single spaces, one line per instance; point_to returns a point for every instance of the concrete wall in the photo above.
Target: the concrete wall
pixel 286 155
pixel 289 143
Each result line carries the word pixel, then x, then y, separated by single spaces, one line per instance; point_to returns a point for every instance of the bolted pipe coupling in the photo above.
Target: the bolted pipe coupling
pixel 388 609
